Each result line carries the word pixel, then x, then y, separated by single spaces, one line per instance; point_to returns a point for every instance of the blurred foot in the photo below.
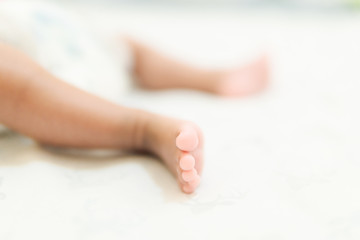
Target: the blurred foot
pixel 156 71
pixel 245 80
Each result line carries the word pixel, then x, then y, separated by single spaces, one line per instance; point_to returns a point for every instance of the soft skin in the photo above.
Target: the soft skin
pixel 53 112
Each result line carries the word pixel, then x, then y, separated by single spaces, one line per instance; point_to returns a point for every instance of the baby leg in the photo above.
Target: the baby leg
pixel 39 105
pixel 156 71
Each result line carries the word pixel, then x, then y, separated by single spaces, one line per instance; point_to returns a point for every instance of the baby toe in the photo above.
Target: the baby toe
pixel 189 176
pixel 194 183
pixel 187 140
pixel 187 162
pixel 188 189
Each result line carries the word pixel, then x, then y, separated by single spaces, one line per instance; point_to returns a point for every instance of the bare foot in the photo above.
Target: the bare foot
pixel 180 145
pixel 244 81
pixel 155 71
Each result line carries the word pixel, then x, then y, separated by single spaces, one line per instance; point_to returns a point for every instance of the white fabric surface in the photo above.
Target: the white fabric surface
pixel 282 165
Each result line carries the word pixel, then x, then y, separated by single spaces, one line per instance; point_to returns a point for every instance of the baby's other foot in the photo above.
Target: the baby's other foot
pixel 245 80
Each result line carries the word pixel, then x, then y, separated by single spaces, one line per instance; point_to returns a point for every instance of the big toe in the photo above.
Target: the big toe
pixel 187 140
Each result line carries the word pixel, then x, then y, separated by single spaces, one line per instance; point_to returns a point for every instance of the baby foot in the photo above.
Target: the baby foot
pixel 245 80
pixel 179 144
pixel 189 164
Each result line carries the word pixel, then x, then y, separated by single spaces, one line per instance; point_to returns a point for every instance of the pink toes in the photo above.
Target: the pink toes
pixel 187 140
pixel 191 186
pixel 188 189
pixel 195 182
pixel 187 162
pixel 189 176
